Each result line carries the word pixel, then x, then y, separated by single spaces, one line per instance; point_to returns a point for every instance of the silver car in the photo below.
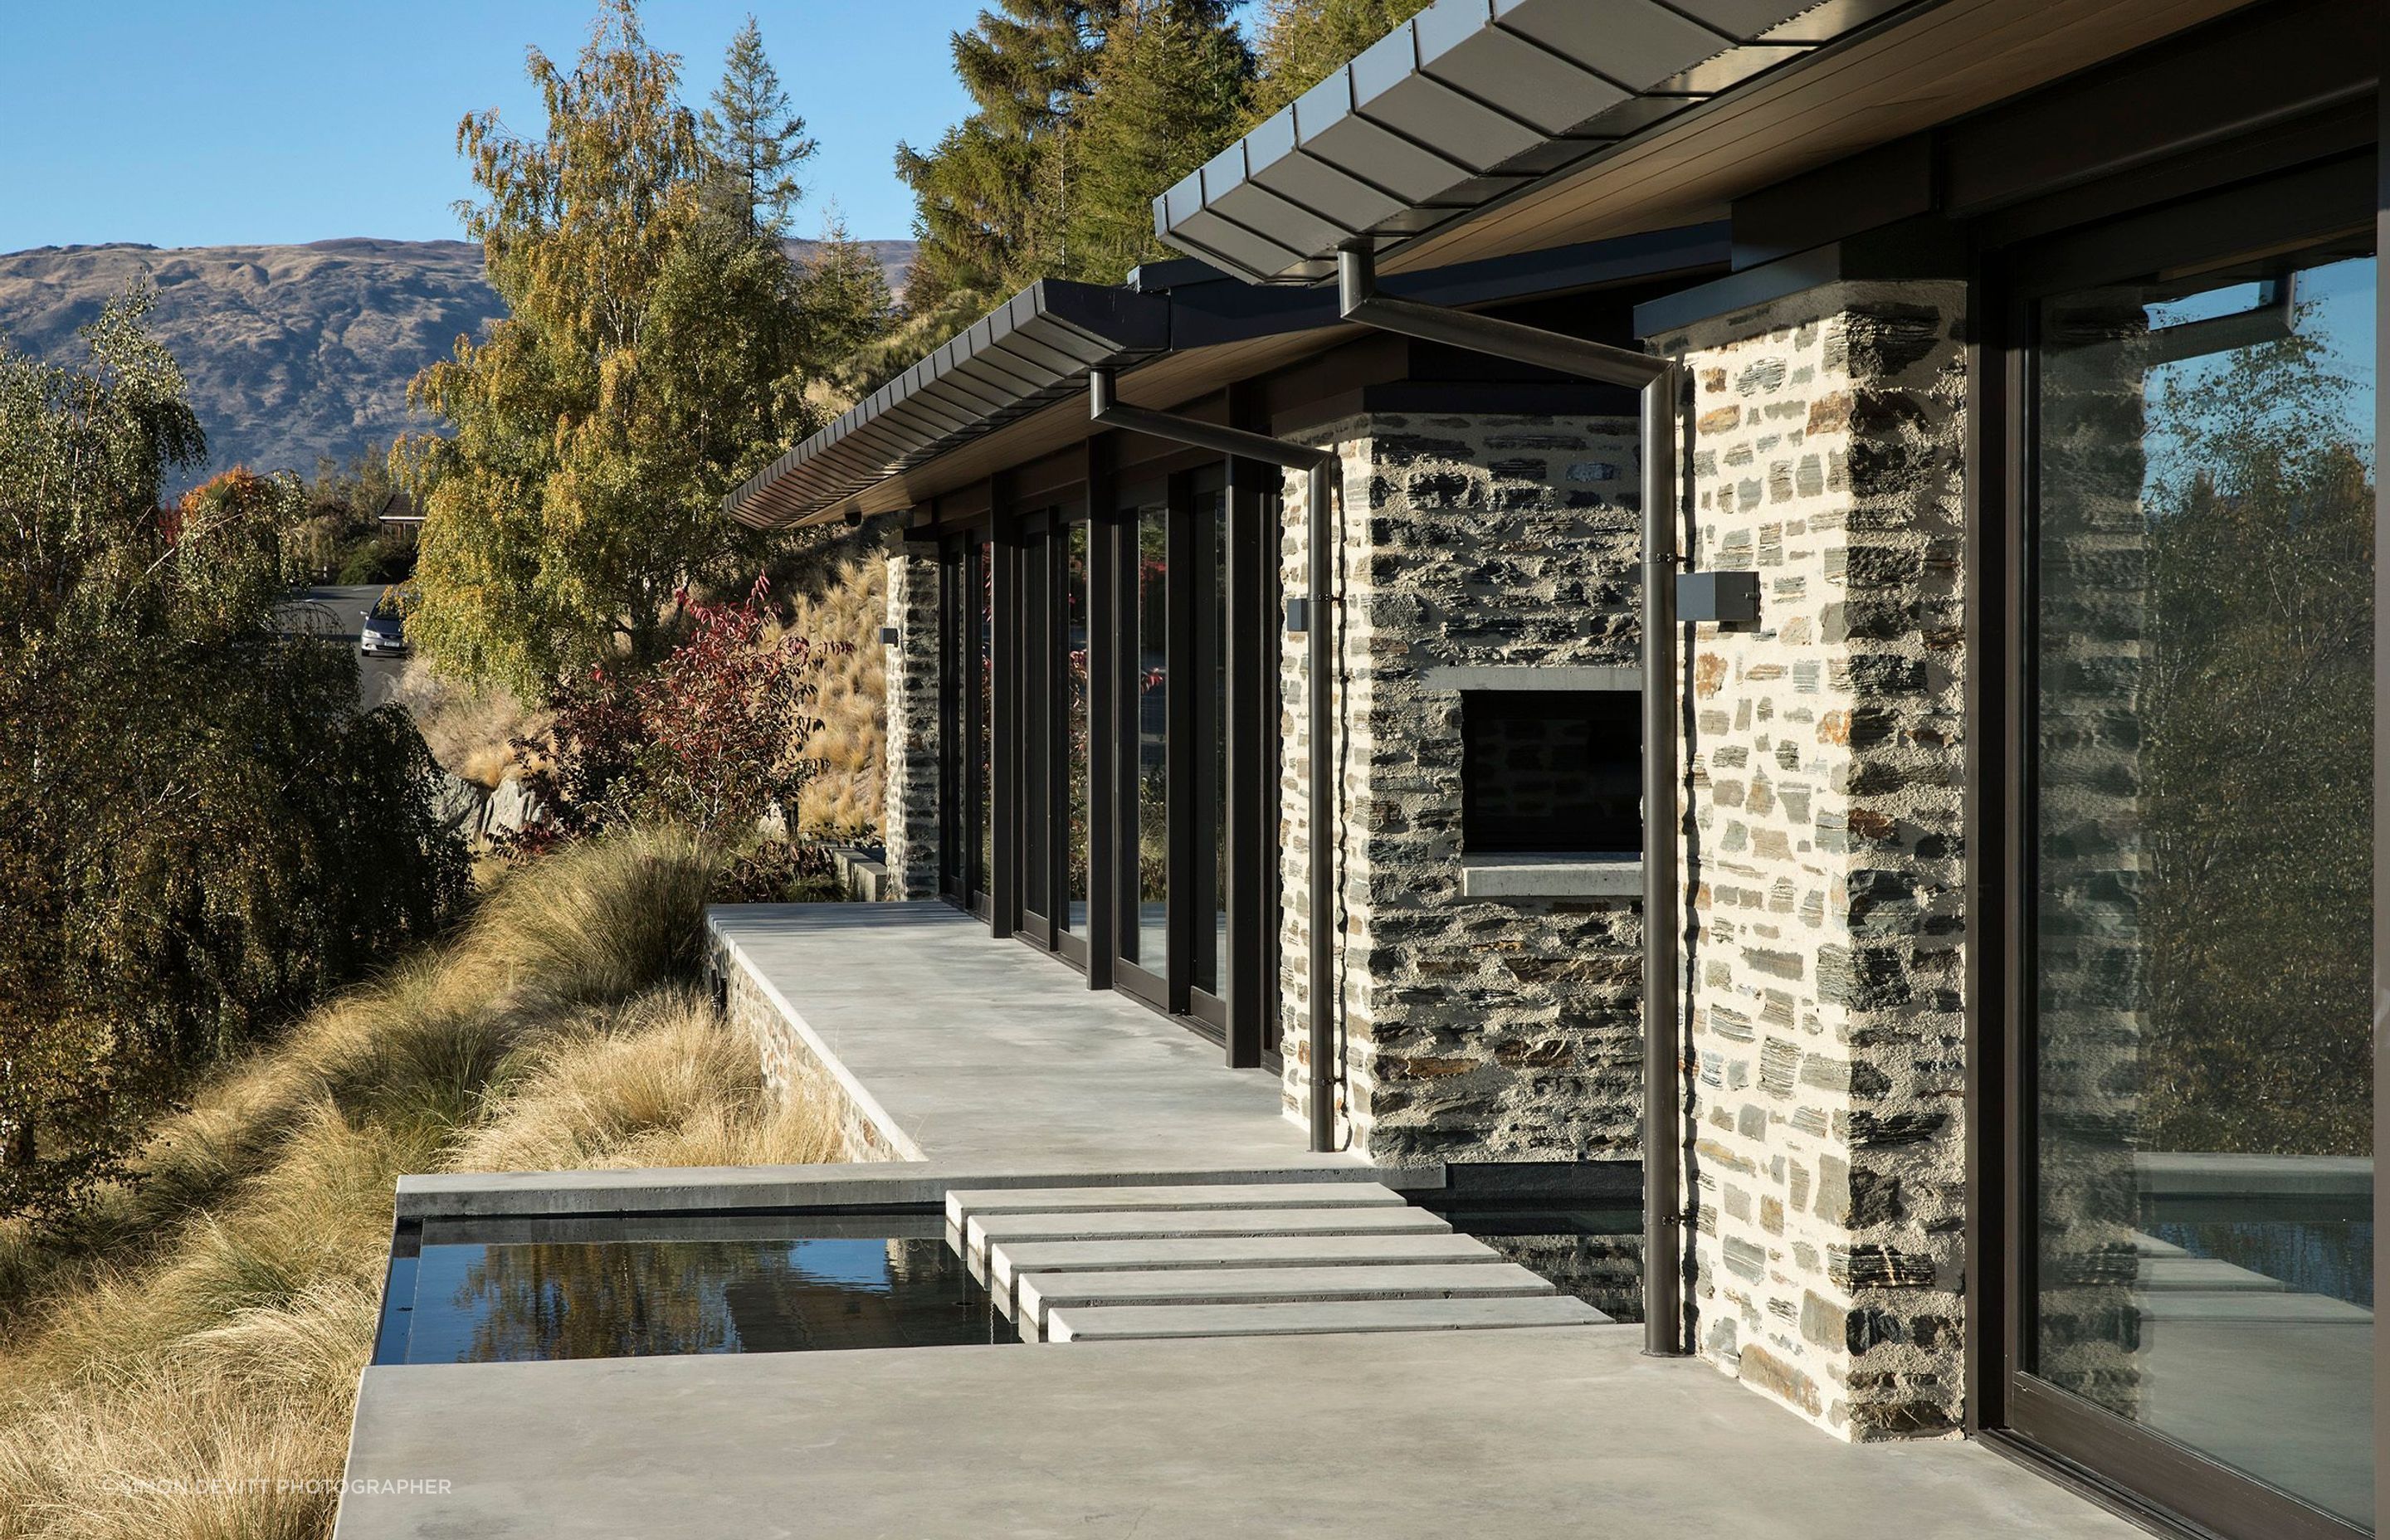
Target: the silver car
pixel 384 633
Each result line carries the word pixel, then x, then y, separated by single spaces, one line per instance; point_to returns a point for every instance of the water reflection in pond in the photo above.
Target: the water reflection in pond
pixel 574 1289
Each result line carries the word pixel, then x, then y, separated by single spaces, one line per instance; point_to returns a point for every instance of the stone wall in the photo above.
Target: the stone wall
pixel 1474 1029
pixel 1824 768
pixel 792 1072
pixel 909 828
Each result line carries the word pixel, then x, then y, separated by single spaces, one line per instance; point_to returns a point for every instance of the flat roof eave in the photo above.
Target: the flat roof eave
pixel 1791 85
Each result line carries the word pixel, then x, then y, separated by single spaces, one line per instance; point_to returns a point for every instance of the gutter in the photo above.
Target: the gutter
pixel 1105 409
pixel 1658 380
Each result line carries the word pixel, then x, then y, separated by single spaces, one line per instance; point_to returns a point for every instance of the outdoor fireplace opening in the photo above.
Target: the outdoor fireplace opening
pixel 1552 772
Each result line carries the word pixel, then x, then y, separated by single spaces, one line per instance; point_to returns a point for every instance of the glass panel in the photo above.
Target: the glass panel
pixel 983 751
pixel 1212 966
pixel 2203 911
pixel 954 759
pixel 1148 942
pixel 1076 727
pixel 1035 632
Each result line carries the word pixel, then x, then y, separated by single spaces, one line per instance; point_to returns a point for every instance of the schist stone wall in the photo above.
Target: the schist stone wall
pixel 909 825
pixel 792 1072
pixel 1475 1029
pixel 1824 768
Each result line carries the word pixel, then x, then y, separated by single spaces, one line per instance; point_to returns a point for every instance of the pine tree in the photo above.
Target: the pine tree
pixel 1170 93
pixel 754 140
pixel 1300 41
pixel 844 298
pixel 992 196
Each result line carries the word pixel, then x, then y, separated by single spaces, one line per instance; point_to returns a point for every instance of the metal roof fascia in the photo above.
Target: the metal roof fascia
pixel 1392 88
pixel 1528 61
pixel 966 387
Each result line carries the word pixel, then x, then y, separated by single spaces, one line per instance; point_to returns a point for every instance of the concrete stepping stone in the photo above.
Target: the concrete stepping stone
pixel 964 1202
pixel 1161 1223
pixel 1036 1293
pixel 1011 1260
pixel 1129 1322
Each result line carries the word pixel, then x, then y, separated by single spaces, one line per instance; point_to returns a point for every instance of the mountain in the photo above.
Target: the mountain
pixel 292 353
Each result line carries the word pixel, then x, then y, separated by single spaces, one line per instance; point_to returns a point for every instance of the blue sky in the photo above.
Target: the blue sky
pixel 196 123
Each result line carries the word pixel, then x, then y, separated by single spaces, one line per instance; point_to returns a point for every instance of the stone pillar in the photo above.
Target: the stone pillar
pixel 1824 763
pixel 1296 830
pixel 1475 1029
pixel 909 825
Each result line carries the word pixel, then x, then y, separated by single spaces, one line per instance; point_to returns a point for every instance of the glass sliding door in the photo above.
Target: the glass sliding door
pixel 2191 1295
pixel 1108 741
pixel 1145 846
pixel 1077 703
pixel 1209 678
pixel 1033 634
pixel 953 733
pixel 982 686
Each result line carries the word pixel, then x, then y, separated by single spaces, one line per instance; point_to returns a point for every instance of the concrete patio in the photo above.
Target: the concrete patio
pixel 1562 1432
pixel 997 1071
pixel 959 1047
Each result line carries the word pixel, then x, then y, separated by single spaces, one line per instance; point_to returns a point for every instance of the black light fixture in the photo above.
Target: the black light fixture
pixel 1718 598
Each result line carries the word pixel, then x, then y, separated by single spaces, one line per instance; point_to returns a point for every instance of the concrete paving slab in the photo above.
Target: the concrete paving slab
pixel 1518 1435
pixel 963 1202
pixel 2250 1307
pixel 2205 1275
pixel 1009 1259
pixel 1130 1323
pixel 1038 1292
pixel 2201 1174
pixel 1169 1224
pixel 962 1048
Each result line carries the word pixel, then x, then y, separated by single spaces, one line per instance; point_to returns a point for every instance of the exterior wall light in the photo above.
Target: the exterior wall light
pixel 1718 598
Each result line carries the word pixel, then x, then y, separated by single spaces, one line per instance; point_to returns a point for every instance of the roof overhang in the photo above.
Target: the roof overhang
pixel 1018 359
pixel 1486 126
pixel 1011 389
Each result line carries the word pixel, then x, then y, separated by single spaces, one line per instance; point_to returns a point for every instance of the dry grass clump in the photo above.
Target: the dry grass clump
pixel 845 599
pixel 185 1369
pixel 468 728
pixel 658 1082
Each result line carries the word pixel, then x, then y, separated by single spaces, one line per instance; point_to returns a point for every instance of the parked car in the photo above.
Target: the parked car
pixel 384 632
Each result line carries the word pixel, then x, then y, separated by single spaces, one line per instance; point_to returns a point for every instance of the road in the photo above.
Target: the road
pixel 339 611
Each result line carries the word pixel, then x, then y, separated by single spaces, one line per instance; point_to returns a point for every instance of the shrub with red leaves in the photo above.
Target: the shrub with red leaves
pixel 714 739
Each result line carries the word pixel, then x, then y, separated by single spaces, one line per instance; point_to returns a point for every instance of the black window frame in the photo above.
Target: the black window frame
pixel 2131 1469
pixel 1221 762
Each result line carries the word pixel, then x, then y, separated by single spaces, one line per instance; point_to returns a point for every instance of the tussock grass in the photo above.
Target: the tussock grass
pixel 658 1082
pixel 843 597
pixel 466 728
pixel 207 1325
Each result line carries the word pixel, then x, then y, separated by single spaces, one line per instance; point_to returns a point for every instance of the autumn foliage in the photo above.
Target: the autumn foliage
pixel 715 738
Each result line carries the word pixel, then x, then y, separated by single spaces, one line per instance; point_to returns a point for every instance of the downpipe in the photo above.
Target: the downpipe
pixel 1658 383
pixel 1320 465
